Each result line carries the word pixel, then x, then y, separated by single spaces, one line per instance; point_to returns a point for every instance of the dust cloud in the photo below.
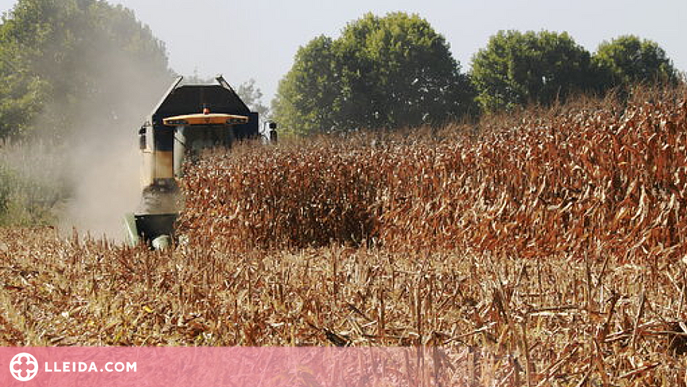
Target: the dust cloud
pixel 104 174
pixel 102 158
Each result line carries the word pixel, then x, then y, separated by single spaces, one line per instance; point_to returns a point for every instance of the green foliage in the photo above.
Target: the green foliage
pixel 390 71
pixel 21 93
pixel 63 57
pixel 22 99
pixel 532 67
pixel 629 59
pixel 305 99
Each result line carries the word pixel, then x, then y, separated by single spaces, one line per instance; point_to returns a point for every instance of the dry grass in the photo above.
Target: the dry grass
pixel 549 253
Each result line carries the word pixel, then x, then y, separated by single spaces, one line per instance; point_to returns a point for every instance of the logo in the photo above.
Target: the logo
pixel 24 367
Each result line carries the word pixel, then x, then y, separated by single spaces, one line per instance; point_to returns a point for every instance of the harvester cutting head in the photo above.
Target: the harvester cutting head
pixel 188 119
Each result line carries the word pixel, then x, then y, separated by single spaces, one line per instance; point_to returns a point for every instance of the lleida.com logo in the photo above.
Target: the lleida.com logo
pixel 24 367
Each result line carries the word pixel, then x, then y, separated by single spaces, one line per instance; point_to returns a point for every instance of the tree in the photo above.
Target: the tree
pixel 62 58
pixel 22 94
pixel 629 59
pixel 305 98
pixel 252 96
pixel 533 67
pixel 390 71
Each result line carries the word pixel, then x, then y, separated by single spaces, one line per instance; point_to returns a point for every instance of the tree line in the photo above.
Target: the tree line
pixel 66 61
pixel 397 71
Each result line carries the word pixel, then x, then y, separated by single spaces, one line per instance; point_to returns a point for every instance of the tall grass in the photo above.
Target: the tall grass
pixel 33 183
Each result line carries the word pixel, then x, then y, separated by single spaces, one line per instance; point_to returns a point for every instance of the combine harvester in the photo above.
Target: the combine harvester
pixel 188 119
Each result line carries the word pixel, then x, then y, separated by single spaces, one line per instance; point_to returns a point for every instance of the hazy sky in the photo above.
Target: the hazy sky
pixel 258 38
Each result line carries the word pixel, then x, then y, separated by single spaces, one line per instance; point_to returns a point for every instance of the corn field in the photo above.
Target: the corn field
pixel 544 249
pixel 594 180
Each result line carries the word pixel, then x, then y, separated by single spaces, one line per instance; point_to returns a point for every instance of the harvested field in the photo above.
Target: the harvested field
pixel 562 319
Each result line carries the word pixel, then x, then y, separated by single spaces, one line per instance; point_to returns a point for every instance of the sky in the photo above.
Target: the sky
pixel 258 38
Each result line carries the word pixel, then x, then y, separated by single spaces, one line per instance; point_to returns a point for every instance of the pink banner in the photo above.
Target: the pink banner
pixel 208 367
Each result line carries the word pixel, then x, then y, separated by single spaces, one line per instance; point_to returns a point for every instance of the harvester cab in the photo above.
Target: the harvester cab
pixel 188 119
